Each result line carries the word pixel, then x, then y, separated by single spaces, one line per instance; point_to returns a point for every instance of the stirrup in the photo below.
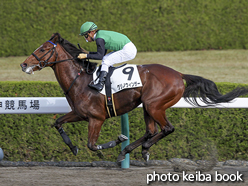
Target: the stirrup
pixel 97 86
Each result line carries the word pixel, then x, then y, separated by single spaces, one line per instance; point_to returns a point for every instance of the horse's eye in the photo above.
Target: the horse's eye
pixel 42 50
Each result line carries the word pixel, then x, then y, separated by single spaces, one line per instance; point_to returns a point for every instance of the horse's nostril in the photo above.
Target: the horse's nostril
pixel 24 65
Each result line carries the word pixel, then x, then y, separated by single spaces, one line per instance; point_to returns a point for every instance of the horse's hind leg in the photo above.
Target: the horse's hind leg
pixel 166 129
pixel 131 146
pixel 156 110
pixel 70 117
pixel 151 130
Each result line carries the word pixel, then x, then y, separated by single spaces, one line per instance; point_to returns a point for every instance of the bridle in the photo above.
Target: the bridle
pixel 46 63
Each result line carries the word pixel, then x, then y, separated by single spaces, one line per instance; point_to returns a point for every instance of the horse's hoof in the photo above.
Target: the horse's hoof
pixel 100 154
pixel 122 138
pixel 121 158
pixel 146 156
pixel 74 150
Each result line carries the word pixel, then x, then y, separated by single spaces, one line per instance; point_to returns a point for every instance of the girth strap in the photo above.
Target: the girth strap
pixel 109 96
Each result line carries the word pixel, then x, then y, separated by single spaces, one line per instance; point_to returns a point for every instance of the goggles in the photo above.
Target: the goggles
pixel 86 35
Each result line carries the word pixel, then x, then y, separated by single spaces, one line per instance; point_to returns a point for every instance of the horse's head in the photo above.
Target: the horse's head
pixel 42 56
pixel 46 55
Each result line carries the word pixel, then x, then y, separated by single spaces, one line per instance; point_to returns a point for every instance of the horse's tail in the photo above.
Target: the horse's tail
pixel 206 90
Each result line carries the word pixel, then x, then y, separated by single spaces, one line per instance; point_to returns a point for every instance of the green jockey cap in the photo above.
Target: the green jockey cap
pixel 87 27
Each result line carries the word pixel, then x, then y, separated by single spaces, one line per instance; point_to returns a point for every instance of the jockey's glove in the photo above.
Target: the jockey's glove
pixel 82 56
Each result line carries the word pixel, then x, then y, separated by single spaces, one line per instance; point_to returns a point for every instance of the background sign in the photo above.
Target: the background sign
pixel 59 105
pixel 34 105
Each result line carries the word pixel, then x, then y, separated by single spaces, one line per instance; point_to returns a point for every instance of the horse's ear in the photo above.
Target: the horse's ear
pixel 55 37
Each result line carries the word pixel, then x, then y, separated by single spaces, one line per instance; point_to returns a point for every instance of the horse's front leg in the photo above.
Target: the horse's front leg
pixel 112 144
pixel 94 129
pixel 70 117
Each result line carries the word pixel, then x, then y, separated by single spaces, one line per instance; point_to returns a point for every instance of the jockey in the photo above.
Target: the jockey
pixel 123 49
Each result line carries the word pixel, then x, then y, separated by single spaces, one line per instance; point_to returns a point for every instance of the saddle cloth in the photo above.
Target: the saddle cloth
pixel 123 77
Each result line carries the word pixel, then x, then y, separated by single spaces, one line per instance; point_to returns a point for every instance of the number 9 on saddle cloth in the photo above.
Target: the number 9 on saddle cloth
pixel 118 78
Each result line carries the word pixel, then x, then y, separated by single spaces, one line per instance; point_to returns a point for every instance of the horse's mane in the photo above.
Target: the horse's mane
pixel 74 52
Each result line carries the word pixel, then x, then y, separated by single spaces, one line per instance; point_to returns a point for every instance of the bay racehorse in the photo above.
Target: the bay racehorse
pixel 162 88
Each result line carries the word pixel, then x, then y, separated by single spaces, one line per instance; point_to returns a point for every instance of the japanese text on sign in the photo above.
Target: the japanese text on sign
pixel 22 105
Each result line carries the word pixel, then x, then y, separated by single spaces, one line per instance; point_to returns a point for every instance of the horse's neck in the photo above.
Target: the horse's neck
pixel 66 72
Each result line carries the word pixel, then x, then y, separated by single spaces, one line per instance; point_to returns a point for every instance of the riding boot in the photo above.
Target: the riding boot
pixel 100 84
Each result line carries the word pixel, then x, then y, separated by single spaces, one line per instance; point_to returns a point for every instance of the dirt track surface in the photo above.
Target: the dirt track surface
pixel 99 176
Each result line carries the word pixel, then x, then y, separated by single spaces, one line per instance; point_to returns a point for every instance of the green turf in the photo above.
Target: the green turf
pixel 217 65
